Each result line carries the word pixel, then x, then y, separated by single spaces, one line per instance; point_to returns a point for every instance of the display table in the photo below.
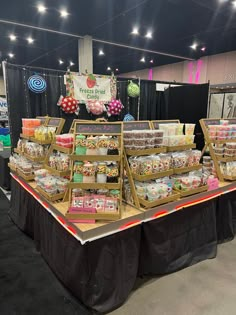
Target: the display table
pixel 99 263
pixel 5 179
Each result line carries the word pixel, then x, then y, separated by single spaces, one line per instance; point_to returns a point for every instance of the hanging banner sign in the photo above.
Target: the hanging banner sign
pixel 91 87
pixel 3 105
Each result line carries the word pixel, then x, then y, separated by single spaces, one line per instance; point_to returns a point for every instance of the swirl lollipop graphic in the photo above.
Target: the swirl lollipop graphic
pixel 37 84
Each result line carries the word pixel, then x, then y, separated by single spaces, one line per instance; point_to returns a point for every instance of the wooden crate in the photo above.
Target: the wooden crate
pixel 192 191
pixel 56 172
pixel 12 167
pixel 94 158
pixel 230 178
pixel 147 204
pixel 25 177
pixel 94 185
pixel 181 147
pixel 146 151
pixel 61 149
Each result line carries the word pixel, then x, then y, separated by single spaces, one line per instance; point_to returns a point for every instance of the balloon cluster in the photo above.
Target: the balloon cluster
pixel 95 107
pixel 114 107
pixel 69 105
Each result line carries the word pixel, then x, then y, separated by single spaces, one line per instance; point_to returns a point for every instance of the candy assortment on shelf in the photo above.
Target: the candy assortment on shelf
pixel 99 200
pixel 96 145
pixel 225 150
pixel 96 172
pixel 29 125
pixel 154 190
pixel 25 166
pixel 43 133
pixel 224 131
pixel 65 140
pixel 186 158
pixel 189 181
pixel 52 185
pixel 144 139
pixel 174 134
pixel 31 148
pixel 59 161
pixel 228 169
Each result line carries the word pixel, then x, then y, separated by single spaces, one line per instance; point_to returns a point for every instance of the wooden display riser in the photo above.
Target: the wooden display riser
pixel 147 204
pixel 142 178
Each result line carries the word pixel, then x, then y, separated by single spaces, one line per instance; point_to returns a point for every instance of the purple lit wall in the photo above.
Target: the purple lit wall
pixel 194 71
pixel 150 74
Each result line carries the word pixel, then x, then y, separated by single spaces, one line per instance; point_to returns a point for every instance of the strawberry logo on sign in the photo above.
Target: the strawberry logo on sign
pixel 91 81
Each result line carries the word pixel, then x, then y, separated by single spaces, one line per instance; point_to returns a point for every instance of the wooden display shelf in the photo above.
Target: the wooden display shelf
pixel 23 136
pixel 94 185
pixel 41 141
pixel 146 151
pixel 192 191
pixel 147 204
pixel 56 172
pixel 34 158
pixel 25 177
pixel 12 167
pixel 187 169
pixel 231 178
pixel 93 216
pixel 143 178
pixel 76 157
pixel 48 196
pixel 62 149
pixel 226 159
pixel 181 147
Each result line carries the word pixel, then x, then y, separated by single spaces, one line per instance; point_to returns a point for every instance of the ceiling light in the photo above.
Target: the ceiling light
pixel 30 40
pixel 194 46
pixel 151 61
pixel 42 8
pixel 234 4
pixel 135 31
pixel 117 69
pixel 108 68
pixel 64 13
pixel 101 52
pixel 71 63
pixel 142 60
pixel 203 49
pixel 11 55
pixel 61 61
pixel 149 34
pixel 12 37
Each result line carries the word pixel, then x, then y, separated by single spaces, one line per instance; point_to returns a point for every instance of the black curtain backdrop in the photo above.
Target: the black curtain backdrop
pixel 187 103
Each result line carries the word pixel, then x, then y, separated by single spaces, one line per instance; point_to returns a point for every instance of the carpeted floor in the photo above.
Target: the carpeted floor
pixel 27 285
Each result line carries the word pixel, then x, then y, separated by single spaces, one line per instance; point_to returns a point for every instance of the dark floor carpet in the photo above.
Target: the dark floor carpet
pixel 27 285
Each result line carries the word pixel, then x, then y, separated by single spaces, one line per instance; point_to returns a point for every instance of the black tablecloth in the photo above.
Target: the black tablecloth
pixel 102 273
pixel 5 179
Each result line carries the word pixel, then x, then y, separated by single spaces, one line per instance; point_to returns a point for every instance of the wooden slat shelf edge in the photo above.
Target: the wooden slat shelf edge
pixel 226 159
pixel 34 158
pixel 181 147
pixel 146 151
pixel 231 178
pixel 192 191
pixel 187 169
pixel 143 178
pixel 56 172
pixel 159 202
pixel 95 216
pixel 24 136
pixel 25 177
pixel 12 168
pixel 94 185
pixel 76 157
pixel 50 197
pixel 62 149
pixel 40 141
pixel 222 141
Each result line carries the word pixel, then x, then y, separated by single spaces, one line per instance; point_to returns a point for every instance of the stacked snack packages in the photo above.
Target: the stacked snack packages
pixel 143 139
pixel 96 145
pixel 224 131
pixel 52 185
pixel 29 125
pixel 225 150
pixel 59 161
pixel 228 169
pixel 154 190
pixel 101 200
pixel 148 165
pixel 65 140
pixel 43 133
pixel 189 181
pixel 32 149
pixel 177 134
pixel 25 166
pixel 208 167
pixel 96 172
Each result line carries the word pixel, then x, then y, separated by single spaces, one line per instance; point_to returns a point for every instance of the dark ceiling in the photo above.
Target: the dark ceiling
pixel 176 24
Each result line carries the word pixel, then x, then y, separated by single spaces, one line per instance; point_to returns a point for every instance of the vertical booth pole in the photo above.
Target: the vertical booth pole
pixel 85 50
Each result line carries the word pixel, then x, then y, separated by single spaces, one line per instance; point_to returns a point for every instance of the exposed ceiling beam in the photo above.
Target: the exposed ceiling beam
pixel 95 40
